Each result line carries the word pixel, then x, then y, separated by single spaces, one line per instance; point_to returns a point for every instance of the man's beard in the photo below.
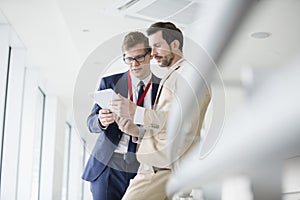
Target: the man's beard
pixel 167 60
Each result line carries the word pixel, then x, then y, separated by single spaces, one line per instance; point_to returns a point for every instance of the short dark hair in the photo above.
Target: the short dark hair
pixel 169 32
pixel 134 38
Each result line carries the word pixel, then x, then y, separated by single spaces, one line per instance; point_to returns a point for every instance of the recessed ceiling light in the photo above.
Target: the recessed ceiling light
pixel 260 35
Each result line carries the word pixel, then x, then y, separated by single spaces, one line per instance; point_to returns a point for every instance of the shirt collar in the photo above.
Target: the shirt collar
pixel 177 63
pixel 135 81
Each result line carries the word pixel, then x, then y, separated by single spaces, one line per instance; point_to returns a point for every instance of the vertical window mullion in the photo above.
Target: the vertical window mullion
pixel 4 113
pixel 67 158
pixel 41 142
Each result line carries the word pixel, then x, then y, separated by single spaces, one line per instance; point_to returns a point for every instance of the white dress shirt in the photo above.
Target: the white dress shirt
pixel 123 144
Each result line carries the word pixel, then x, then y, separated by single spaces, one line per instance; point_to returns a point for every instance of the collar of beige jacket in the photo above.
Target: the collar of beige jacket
pixel 172 69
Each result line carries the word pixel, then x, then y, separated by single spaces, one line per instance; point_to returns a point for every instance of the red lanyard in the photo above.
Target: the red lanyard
pixel 130 90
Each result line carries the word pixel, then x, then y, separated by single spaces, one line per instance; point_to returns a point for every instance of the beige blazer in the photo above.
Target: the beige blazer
pixel 153 149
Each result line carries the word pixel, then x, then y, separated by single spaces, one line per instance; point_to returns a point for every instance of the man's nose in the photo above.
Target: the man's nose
pixel 153 52
pixel 135 63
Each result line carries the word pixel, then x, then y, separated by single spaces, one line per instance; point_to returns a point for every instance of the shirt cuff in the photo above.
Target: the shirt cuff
pixel 103 128
pixel 139 114
pixel 141 135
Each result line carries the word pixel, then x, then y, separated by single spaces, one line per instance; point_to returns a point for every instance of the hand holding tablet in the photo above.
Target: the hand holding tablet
pixel 104 97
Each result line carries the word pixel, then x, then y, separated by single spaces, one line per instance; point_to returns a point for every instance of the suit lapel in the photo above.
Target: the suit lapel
pixel 162 82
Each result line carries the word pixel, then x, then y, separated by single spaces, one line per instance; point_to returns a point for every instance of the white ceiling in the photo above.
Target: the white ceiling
pixel 60 35
pixel 281 18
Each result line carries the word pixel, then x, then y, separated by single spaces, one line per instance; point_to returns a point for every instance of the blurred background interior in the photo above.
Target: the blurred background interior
pixel 52 51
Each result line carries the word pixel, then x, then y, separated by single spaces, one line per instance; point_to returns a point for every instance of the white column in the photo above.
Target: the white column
pixel 53 149
pixel 27 136
pixel 76 166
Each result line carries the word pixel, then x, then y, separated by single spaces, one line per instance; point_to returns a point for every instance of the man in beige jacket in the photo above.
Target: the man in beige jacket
pixel 166 41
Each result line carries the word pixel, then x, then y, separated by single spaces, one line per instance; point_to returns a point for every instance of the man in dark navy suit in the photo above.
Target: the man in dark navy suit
pixel 113 162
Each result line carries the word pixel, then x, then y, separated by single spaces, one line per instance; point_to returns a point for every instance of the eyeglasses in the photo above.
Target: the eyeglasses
pixel 139 58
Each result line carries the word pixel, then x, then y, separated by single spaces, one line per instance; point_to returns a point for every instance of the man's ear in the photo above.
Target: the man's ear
pixel 175 44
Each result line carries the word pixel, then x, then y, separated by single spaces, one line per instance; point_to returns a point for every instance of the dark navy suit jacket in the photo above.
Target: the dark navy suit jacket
pixel 108 139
